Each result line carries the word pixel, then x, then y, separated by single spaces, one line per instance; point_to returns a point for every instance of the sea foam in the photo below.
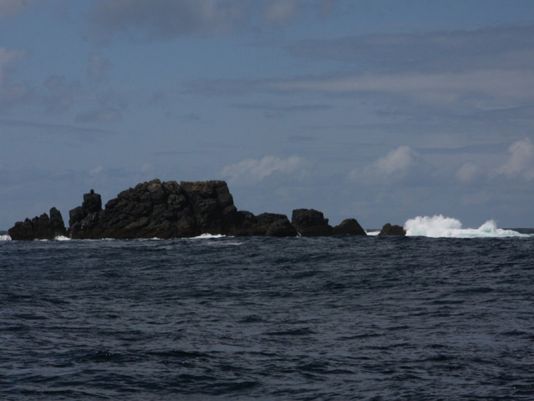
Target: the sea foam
pixel 5 238
pixel 209 236
pixel 439 226
pixel 61 238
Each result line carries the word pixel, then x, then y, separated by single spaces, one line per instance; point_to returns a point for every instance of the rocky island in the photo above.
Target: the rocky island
pixel 172 210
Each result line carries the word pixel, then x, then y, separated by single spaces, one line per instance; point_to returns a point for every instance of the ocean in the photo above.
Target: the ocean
pixel 222 318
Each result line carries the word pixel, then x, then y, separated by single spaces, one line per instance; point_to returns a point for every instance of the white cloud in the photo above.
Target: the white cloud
pixel 396 164
pixel 520 162
pixel 467 173
pixel 397 161
pixel 256 170
pixel 10 7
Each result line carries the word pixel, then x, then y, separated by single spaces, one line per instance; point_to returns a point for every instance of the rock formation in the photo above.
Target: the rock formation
pixel 392 230
pixel 310 223
pixel 170 210
pixel 41 227
pixel 275 225
pixel 348 227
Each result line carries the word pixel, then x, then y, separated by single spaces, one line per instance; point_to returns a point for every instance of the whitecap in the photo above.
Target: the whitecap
pixel 5 238
pixel 209 236
pixel 439 226
pixel 62 238
pixel 372 233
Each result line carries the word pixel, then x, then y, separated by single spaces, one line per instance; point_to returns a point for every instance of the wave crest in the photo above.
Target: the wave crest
pixel 439 226
pixel 209 236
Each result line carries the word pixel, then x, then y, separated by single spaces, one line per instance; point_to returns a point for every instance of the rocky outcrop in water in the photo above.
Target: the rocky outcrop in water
pixel 275 225
pixel 170 210
pixel 390 230
pixel 310 223
pixel 348 227
pixel 41 227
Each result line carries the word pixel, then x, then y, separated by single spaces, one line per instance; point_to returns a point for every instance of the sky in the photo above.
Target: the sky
pixel 381 110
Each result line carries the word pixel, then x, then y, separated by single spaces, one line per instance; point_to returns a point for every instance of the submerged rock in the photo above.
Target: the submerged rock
pixel 392 230
pixel 40 227
pixel 349 227
pixel 310 223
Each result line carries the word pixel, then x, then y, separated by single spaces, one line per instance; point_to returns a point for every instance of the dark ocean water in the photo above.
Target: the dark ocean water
pixel 268 319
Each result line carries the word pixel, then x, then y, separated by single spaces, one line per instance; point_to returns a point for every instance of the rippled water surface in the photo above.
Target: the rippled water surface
pixel 269 319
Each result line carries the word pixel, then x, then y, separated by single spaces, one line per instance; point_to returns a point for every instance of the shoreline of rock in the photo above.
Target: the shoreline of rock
pixel 165 210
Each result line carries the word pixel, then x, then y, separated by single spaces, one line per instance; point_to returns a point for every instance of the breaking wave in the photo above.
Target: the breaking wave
pixel 62 238
pixel 209 236
pixel 439 226
pixel 5 238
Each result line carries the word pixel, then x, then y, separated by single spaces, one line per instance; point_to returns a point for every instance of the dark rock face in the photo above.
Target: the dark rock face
pixel 41 227
pixel 275 225
pixel 163 210
pixel 92 202
pixel 150 209
pixel 57 226
pixel 243 223
pixel 392 230
pixel 310 223
pixel 169 210
pixel 349 227
pixel 212 204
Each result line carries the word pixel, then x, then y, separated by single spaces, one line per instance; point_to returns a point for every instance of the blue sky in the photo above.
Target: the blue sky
pixel 381 110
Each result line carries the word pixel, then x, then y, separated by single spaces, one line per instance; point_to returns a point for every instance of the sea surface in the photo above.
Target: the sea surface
pixel 268 319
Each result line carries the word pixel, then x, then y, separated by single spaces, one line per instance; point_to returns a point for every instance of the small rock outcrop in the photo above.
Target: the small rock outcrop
pixel 275 225
pixel 41 227
pixel 310 223
pixel 269 224
pixel 390 230
pixel 349 227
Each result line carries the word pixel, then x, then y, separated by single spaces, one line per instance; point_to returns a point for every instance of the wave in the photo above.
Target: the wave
pixel 62 238
pixel 209 236
pixel 439 226
pixel 5 238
